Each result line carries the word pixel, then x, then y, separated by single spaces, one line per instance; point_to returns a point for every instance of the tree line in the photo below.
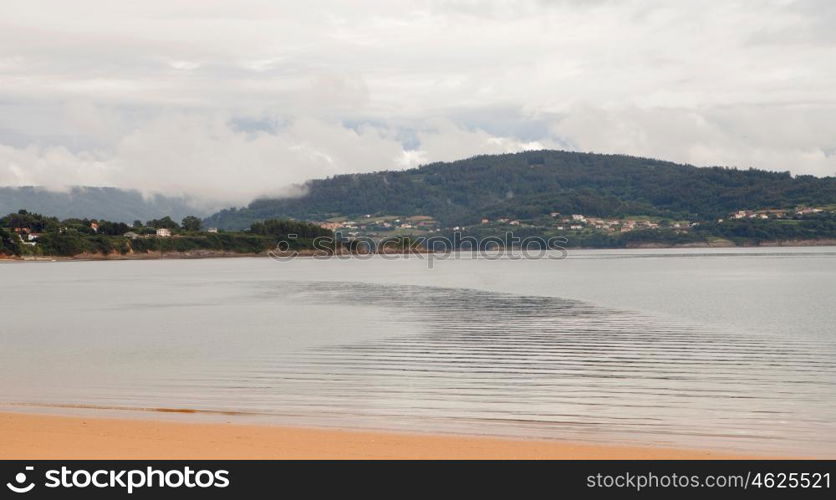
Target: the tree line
pixel 73 236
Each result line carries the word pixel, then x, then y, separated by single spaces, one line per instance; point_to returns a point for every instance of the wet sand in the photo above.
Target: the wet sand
pixel 29 436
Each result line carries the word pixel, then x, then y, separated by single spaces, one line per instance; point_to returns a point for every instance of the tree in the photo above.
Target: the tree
pixel 9 243
pixel 113 228
pixel 165 222
pixel 67 244
pixel 191 223
pixel 282 227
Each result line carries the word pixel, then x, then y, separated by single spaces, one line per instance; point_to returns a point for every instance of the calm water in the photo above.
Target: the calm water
pixel 728 349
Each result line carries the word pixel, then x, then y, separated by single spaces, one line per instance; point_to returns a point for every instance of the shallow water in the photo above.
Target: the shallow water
pixel 727 349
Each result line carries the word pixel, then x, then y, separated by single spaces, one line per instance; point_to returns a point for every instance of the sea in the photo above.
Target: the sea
pixel 730 349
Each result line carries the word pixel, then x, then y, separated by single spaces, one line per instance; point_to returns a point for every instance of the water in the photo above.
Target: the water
pixel 722 349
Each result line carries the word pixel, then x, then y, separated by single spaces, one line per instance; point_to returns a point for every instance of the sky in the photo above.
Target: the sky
pixel 225 101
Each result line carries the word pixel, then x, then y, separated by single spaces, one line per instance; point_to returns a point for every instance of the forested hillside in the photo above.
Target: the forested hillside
pixel 94 202
pixel 530 184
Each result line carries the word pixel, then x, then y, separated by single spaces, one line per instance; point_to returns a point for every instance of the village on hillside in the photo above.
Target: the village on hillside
pixel 31 233
pixel 383 226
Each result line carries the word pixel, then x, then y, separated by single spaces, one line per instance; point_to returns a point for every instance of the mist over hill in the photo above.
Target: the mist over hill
pixel 112 204
pixel 534 183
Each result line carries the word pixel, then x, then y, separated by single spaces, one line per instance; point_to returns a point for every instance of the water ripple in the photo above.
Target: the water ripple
pixel 541 367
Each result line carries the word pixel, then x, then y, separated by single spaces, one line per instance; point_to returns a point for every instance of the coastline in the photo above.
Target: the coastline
pixel 824 242
pixel 49 437
pixel 193 254
pixel 219 254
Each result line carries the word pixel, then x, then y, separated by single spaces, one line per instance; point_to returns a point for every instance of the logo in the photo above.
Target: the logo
pixel 283 250
pixel 20 478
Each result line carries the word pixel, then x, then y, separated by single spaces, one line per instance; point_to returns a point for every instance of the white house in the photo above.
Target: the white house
pixel 163 232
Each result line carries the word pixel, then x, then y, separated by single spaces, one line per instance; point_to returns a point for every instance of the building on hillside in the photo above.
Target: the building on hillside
pixel 807 210
pixel 163 232
pixel 331 226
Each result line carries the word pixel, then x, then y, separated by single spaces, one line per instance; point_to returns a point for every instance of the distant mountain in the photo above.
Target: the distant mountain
pixel 113 204
pixel 531 184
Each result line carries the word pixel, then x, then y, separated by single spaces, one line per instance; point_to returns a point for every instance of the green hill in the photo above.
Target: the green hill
pixel 94 202
pixel 531 184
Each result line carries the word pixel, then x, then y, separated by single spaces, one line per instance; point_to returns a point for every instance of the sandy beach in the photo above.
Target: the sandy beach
pixel 29 436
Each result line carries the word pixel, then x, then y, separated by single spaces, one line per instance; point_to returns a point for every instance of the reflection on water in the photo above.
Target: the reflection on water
pixel 431 358
pixel 549 368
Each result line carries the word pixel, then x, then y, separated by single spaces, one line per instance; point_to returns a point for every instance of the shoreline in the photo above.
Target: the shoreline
pixel 219 254
pixel 52 437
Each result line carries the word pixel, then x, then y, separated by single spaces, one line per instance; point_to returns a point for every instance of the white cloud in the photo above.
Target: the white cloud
pixel 446 142
pixel 142 94
pixel 202 156
pixel 781 137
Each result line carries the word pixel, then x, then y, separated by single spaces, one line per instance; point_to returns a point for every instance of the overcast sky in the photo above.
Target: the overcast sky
pixel 227 100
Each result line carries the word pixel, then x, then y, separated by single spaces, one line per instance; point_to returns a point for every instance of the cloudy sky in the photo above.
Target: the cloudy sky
pixel 227 100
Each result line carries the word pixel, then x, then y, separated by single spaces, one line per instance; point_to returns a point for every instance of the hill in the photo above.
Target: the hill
pixel 530 184
pixel 94 203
